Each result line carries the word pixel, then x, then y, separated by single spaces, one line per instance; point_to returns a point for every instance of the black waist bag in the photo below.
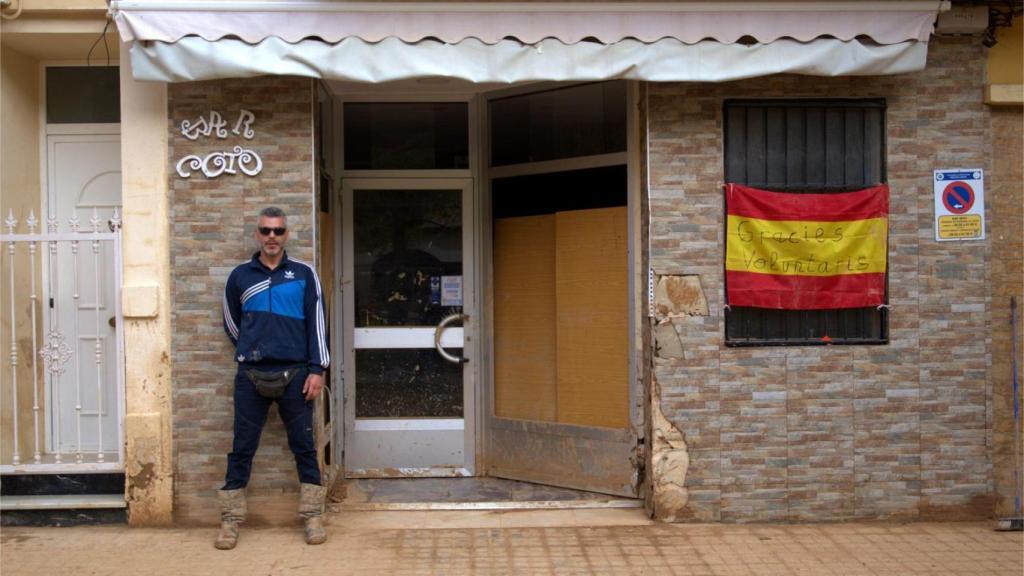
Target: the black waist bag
pixel 271 384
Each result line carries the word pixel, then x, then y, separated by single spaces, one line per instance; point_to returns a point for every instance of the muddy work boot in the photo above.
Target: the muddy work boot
pixel 232 513
pixel 311 510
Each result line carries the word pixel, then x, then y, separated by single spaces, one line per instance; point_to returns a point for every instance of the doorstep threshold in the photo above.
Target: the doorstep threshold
pixel 63 502
pixel 494 505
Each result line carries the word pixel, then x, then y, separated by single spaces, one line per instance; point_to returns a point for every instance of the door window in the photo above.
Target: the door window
pixel 407 249
pixel 406 135
pixel 83 95
pixel 409 259
pixel 564 123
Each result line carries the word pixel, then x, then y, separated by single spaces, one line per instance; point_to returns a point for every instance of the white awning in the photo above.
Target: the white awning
pixel 514 42
pixel 509 61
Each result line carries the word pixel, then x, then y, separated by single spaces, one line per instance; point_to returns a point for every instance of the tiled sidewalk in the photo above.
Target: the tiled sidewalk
pixel 527 543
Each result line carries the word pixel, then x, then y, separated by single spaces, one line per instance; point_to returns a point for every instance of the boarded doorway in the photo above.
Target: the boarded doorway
pixel 560 289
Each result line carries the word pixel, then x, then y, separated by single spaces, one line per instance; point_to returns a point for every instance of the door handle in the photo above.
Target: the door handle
pixel 112 322
pixel 441 326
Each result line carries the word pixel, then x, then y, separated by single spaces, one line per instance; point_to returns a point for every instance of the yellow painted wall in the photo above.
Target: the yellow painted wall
pixel 19 192
pixel 1006 58
pixel 146 299
pixel 30 5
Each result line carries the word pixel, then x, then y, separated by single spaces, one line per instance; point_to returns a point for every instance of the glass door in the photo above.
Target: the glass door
pixel 408 301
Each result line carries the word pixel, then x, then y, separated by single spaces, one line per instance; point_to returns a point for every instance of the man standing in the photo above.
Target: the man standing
pixel 273 313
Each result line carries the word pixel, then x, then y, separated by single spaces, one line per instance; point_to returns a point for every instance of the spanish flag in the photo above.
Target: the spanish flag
pixel 806 251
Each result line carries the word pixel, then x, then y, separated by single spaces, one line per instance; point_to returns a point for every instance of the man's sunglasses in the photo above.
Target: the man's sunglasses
pixel 264 231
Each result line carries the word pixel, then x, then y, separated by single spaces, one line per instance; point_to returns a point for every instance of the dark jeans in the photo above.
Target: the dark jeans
pixel 250 415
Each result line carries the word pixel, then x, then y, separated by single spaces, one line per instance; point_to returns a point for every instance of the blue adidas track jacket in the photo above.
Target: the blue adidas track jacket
pixel 276 315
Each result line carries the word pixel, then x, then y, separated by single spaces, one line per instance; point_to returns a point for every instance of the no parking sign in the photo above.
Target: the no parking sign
pixel 959 204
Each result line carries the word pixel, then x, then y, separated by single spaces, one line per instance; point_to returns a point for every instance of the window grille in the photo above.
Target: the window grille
pixel 804 146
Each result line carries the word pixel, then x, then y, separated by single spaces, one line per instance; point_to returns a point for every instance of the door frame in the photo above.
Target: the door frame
pixel 478 172
pixel 361 93
pixel 116 349
pixel 48 201
pixel 636 270
pixel 471 339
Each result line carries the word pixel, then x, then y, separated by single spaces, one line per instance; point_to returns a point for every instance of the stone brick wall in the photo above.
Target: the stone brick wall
pixel 838 432
pixel 904 431
pixel 212 222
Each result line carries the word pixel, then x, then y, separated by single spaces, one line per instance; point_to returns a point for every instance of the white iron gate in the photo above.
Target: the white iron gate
pixel 66 345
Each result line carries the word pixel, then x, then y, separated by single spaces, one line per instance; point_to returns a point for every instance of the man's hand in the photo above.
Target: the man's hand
pixel 314 384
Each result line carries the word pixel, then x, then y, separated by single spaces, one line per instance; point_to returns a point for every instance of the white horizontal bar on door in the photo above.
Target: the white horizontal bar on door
pixel 406 338
pixel 409 472
pixel 407 424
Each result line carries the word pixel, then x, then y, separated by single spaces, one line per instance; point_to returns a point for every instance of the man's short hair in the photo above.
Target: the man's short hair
pixel 273 212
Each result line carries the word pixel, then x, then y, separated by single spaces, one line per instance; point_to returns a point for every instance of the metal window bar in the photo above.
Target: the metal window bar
pixel 48 354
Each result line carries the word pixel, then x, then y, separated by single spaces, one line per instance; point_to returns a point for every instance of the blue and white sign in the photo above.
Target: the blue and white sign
pixel 451 290
pixel 959 204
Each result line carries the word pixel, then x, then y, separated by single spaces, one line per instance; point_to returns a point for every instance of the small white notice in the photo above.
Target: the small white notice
pixel 451 290
pixel 959 204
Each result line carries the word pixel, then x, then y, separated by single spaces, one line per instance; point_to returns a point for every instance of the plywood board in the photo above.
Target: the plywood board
pixel 524 318
pixel 592 294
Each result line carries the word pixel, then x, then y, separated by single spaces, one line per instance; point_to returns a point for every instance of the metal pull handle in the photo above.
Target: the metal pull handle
pixel 440 330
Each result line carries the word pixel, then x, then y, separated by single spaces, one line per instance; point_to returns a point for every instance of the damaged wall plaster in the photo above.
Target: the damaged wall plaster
pixel 677 296
pixel 667 343
pixel 670 463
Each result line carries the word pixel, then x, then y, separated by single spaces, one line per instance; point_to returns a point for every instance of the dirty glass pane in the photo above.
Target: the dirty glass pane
pixel 407 383
pixel 559 192
pixel 555 124
pixel 407 248
pixel 83 94
pixel 406 135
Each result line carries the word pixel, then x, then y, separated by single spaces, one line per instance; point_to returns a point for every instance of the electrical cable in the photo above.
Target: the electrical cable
pixel 106 48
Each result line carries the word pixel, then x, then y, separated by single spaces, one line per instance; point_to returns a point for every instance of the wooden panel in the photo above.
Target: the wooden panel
pixel 591 286
pixel 524 318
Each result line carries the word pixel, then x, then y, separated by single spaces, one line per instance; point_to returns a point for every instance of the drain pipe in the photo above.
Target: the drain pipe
pixel 1016 523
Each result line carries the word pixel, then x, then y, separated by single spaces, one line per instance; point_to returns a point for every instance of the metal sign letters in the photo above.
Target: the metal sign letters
pixel 214 164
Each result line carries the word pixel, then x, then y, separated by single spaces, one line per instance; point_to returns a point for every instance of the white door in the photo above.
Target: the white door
pixel 407 256
pixel 84 181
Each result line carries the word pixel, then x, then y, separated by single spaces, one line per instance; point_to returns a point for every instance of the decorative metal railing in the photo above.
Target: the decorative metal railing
pixel 49 346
